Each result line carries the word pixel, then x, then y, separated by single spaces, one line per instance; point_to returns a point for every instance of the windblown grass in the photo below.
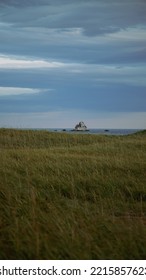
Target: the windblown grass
pixel 68 196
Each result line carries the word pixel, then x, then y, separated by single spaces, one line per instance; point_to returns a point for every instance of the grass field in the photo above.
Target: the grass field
pixel 72 196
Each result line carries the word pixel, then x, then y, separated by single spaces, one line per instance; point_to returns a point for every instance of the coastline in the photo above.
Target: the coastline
pixel 93 131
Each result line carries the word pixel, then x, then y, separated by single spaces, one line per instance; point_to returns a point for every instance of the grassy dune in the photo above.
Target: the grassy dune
pixel 68 196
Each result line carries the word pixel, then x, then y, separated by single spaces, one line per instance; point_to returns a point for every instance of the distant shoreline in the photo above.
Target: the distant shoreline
pixel 103 131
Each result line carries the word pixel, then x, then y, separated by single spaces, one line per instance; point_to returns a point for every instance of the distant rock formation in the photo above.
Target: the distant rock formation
pixel 80 127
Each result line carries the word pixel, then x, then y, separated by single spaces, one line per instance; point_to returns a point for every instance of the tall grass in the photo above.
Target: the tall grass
pixel 68 196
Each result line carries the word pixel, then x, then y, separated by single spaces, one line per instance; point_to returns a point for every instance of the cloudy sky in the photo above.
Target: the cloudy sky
pixel 64 61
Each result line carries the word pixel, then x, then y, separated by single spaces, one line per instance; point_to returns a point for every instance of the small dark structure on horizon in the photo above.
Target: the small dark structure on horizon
pixel 80 127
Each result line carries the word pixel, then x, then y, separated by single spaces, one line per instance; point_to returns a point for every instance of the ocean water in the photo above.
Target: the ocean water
pixel 97 131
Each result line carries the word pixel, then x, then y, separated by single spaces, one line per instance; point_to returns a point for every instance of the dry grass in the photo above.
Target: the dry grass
pixel 67 196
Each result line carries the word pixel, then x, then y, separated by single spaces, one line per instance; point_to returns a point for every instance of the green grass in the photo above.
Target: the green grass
pixel 72 196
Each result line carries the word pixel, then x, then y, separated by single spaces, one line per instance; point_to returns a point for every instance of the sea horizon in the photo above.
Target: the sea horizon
pixel 106 131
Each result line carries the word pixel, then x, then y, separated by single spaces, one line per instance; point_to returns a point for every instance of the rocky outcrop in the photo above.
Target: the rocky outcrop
pixel 81 127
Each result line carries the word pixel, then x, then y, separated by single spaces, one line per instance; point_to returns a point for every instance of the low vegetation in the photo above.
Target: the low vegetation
pixel 72 196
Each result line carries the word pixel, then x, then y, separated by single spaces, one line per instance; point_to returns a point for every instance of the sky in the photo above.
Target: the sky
pixel 64 61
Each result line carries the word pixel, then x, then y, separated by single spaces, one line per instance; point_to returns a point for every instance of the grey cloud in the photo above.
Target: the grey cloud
pixel 17 3
pixel 71 45
pixel 94 17
pixel 100 43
